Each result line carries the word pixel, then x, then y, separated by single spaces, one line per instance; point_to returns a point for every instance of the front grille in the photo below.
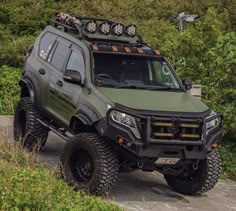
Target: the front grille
pixel 176 129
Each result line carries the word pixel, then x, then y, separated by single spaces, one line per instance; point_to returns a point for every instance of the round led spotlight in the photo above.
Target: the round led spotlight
pixel 105 28
pixel 131 30
pixel 91 27
pixel 118 29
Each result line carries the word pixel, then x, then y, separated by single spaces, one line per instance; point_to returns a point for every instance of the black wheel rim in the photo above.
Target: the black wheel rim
pixel 22 123
pixel 82 166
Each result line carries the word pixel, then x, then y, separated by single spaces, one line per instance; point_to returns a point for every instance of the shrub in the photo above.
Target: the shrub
pixel 9 89
pixel 28 186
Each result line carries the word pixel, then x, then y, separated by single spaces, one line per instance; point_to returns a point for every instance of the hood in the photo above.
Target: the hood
pixel 155 100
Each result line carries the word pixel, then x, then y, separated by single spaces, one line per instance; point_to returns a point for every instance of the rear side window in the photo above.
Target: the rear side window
pixel 46 44
pixel 60 56
pixel 76 62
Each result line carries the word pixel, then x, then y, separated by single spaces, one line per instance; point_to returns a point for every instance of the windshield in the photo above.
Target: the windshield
pixel 129 71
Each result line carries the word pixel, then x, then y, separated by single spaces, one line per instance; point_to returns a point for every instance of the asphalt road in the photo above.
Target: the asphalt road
pixel 142 190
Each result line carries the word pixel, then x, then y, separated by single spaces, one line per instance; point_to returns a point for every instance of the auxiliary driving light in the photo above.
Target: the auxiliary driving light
pixel 91 27
pixel 118 29
pixel 105 28
pixel 131 30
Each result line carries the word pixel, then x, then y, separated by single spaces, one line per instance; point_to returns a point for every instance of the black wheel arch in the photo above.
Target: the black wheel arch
pixel 30 88
pixel 82 123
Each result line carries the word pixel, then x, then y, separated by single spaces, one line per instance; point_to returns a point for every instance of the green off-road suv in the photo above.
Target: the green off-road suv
pixel 119 105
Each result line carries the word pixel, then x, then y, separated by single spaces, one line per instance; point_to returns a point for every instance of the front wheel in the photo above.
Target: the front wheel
pixel 89 164
pixel 200 180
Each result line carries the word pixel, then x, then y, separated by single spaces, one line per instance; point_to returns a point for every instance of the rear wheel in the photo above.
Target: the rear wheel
pixel 199 180
pixel 27 130
pixel 89 164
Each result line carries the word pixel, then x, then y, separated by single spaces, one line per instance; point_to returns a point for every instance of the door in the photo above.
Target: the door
pixel 57 59
pixel 43 68
pixel 69 93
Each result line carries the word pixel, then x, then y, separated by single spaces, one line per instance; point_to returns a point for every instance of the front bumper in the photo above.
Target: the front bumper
pixel 164 148
pixel 147 147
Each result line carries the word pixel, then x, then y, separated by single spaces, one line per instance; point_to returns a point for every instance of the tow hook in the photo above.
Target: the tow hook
pixel 140 163
pixel 195 165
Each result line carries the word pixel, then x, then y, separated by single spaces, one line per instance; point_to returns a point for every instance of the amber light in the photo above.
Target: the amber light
pixel 128 50
pixel 215 145
pixel 120 140
pixel 157 52
pixel 140 50
pixel 114 48
pixel 95 47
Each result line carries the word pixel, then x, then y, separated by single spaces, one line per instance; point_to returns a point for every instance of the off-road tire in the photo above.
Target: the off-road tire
pixel 205 179
pixel 27 130
pixel 105 165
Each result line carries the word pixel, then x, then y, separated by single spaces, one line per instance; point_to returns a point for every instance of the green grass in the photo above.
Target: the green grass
pixel 9 89
pixel 27 186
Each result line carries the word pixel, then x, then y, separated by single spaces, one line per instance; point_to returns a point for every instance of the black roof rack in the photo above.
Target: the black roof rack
pixel 78 25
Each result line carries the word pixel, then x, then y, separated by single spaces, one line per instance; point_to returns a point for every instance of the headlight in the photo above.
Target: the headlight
pixel 126 120
pixel 213 123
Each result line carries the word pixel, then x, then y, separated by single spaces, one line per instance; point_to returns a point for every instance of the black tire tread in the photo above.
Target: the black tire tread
pixel 207 179
pixel 213 173
pixel 37 133
pixel 109 162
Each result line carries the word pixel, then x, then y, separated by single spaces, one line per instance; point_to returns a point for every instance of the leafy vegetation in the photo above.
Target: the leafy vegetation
pixel 27 186
pixel 205 50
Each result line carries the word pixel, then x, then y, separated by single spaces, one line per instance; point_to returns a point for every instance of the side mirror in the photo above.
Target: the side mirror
pixel 187 82
pixel 73 76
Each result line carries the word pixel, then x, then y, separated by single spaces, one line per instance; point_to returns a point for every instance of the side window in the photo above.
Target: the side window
pixel 60 56
pixel 76 62
pixel 46 44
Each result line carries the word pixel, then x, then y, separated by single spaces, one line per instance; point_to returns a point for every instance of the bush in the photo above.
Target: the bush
pixel 27 186
pixel 9 89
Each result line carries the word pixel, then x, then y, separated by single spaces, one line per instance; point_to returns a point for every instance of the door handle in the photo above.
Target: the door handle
pixel 42 71
pixel 59 83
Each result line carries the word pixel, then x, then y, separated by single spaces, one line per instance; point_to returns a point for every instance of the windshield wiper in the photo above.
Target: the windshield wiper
pixel 165 88
pixel 129 86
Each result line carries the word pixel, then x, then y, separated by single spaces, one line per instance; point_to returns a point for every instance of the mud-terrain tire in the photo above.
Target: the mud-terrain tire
pixel 89 164
pixel 27 130
pixel 204 180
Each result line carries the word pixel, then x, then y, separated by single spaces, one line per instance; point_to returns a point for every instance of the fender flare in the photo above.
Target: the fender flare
pixel 27 89
pixel 31 83
pixel 85 116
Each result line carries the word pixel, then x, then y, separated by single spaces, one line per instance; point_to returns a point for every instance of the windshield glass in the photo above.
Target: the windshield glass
pixel 128 71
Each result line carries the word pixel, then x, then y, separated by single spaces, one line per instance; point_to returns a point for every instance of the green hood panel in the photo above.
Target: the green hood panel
pixel 154 100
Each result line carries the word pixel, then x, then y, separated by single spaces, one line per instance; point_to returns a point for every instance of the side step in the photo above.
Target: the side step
pixel 62 132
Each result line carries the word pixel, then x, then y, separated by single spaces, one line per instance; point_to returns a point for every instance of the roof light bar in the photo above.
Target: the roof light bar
pixel 105 28
pixel 91 27
pixel 131 30
pixel 118 29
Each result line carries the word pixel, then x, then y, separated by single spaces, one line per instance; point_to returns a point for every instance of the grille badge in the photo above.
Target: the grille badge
pixel 173 129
